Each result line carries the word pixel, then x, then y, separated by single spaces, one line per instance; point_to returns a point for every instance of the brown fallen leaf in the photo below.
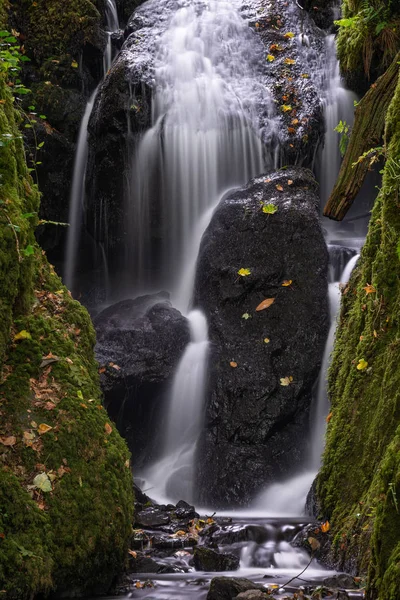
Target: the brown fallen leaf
pixel 279 188
pixel 233 364
pixel 132 553
pixel 325 527
pixel 314 543
pixel 329 417
pixel 290 181
pixel 265 304
pixel 8 441
pixel 49 406
pixel 108 428
pixel 287 283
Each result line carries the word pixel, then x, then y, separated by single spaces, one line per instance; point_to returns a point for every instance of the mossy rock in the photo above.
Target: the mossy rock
pixel 69 529
pixel 359 482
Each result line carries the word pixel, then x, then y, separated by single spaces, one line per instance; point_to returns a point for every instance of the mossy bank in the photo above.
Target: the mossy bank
pixel 359 483
pixel 66 495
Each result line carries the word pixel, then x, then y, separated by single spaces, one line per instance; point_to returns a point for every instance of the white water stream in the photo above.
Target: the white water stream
pixel 205 136
pixel 77 194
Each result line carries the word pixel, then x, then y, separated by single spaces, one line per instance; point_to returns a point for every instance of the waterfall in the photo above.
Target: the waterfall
pixel 77 194
pixel 172 476
pixel 338 105
pixel 205 136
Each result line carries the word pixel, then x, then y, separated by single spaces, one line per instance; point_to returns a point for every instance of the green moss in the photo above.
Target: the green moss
pixel 75 536
pixel 369 40
pixel 359 482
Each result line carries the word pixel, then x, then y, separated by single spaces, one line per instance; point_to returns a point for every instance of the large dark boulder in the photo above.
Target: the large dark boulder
pixel 264 363
pixel 139 345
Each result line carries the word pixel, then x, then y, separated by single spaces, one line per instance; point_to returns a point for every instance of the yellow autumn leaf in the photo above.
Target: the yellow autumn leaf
pixel 289 61
pixel 287 283
pixel 286 107
pixel 289 35
pixel 265 304
pixel 74 64
pixel 244 272
pixel 270 57
pixel 22 335
pixel 285 381
pixel 43 428
pixel 362 364
pixel 233 364
pixel 266 340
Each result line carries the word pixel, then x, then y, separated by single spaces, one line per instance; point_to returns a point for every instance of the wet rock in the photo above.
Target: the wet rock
pixel 139 344
pixel 185 512
pixel 265 362
pixel 342 580
pixel 151 518
pixel 205 559
pixel 227 588
pixel 240 533
pixel 143 564
pixel 252 595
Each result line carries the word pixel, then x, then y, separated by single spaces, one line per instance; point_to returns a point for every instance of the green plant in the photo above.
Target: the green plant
pixel 344 129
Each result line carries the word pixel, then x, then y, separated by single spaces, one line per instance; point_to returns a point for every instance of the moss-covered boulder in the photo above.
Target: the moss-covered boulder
pixel 66 497
pixel 359 483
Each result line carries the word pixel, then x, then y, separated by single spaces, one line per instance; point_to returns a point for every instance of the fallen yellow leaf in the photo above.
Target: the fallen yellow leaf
pixel 369 289
pixel 287 282
pixel 233 364
pixel 43 428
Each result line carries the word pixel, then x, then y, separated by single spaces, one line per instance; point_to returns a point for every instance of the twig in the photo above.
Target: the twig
pixel 297 576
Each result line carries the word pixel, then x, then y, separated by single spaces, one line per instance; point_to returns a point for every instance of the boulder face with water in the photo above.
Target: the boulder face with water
pixel 139 345
pixel 262 283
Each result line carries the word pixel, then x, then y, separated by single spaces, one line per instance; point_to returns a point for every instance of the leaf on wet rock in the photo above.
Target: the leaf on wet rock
pixel 362 364
pixel 270 57
pixel 42 482
pixel 287 283
pixel 265 304
pixel 266 340
pixel 269 209
pixel 246 316
pixel 279 188
pixel 290 181
pixel 289 61
pixel 43 428
pixel 286 107
pixel 233 364
pixel 285 381
pixel 289 35
pixel 244 272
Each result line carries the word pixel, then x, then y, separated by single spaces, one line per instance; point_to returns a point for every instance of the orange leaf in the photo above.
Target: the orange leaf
pixel 369 289
pixel 132 553
pixel 290 181
pixel 233 364
pixel 287 282
pixel 279 188
pixel 265 304
pixel 108 428
pixel 325 527
pixel 43 428
pixel 291 130
pixel 329 417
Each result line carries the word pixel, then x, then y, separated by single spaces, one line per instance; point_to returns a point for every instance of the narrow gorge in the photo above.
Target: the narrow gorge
pixel 200 398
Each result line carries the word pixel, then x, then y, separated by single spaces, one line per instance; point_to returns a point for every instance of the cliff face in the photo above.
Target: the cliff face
pixel 359 483
pixel 66 496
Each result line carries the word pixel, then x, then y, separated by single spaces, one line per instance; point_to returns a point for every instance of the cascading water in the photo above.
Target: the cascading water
pixel 172 476
pixel 205 136
pixel 77 194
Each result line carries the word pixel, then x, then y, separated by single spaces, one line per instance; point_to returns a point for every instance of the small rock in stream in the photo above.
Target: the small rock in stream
pixel 227 588
pixel 152 517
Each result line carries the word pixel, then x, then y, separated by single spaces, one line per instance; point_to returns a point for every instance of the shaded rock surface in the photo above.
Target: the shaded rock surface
pixel 139 344
pixel 257 416
pixel 227 588
pixel 206 559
